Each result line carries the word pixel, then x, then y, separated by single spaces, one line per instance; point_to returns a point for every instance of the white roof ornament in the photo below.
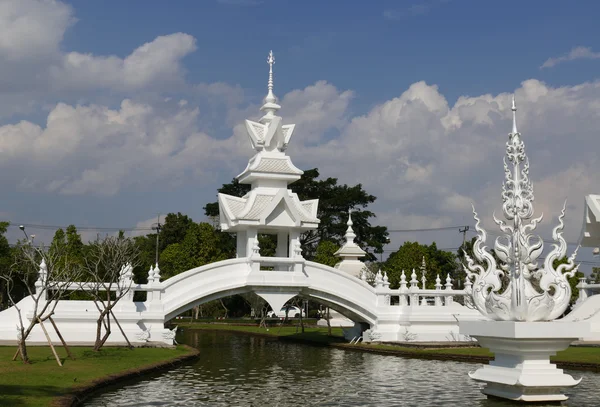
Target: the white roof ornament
pixel 514 112
pixel 269 204
pixel 350 250
pixel 270 102
pixel 518 249
pixel 269 134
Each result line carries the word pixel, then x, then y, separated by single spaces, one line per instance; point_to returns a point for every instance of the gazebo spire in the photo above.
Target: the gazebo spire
pixel 270 105
pixel 514 112
pixel 350 235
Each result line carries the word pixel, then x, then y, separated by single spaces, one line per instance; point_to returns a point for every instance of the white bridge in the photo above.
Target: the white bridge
pixel 408 313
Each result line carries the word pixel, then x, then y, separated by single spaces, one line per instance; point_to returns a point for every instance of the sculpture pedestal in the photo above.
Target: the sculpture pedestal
pixel 522 370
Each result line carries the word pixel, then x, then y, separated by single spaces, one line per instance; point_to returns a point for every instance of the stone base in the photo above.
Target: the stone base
pixel 522 370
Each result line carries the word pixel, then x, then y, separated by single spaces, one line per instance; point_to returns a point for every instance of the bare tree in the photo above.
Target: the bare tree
pixel 45 285
pixel 108 266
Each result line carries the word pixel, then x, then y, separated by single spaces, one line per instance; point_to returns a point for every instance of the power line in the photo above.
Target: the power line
pixel 97 228
pixel 426 229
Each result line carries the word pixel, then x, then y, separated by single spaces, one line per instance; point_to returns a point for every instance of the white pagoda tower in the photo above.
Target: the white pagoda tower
pixel 270 207
pixel 350 253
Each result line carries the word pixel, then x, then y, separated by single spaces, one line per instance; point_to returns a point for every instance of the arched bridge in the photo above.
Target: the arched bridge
pixel 276 280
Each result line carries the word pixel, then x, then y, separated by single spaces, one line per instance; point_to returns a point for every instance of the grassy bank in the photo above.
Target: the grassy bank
pixel 43 382
pixel 579 358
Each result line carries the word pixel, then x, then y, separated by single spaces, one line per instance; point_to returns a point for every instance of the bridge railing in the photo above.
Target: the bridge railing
pixel 586 290
pixel 409 293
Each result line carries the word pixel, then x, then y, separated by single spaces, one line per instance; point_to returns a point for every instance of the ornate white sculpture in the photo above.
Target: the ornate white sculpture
pixel 144 335
pixel 170 334
pixel 528 292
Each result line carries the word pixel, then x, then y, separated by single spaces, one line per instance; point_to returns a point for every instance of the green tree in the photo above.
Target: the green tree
pixel 334 202
pixel 410 256
pixel 595 276
pixel 203 244
pixel 325 253
pixel 174 229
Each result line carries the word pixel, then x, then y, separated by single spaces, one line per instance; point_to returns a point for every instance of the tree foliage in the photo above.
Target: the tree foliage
pixel 202 244
pixel 325 253
pixel 410 256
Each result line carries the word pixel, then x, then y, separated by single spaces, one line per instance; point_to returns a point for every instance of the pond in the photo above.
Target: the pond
pixel 241 370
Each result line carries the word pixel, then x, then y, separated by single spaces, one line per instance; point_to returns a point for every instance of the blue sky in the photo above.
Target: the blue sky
pixel 377 48
pixel 113 111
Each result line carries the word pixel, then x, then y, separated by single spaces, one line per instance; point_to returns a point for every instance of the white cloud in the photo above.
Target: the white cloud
pixel 37 70
pixel 32 28
pixel 575 53
pixel 426 161
pixel 98 151
pixel 158 61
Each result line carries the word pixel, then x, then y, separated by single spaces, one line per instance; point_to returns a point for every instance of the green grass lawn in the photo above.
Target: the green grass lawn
pixel 583 355
pixel 38 383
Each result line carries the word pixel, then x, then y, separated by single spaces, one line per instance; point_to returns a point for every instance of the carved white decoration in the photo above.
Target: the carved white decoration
pixel 144 336
pixel 519 250
pixel 170 335
pixel 373 335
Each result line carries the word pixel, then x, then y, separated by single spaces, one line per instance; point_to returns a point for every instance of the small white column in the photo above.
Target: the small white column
pixel 241 244
pixel 251 236
pixel 282 244
pixel 294 239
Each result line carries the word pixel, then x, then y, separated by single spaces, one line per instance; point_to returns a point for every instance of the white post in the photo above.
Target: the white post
pixel 449 298
pixel 438 287
pixel 241 244
pixel 583 292
pixel 414 288
pixel 403 290
pixel 282 244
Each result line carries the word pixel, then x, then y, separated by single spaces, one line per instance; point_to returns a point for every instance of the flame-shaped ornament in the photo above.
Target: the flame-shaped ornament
pixel 517 289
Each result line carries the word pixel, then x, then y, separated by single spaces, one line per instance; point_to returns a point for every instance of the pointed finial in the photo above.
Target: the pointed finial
pixel 514 110
pixel 350 235
pixel 270 98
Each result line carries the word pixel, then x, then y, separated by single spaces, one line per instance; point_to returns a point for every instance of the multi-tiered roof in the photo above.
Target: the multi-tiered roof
pixel 269 205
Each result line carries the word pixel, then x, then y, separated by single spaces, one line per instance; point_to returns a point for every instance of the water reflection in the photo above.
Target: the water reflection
pixel 239 370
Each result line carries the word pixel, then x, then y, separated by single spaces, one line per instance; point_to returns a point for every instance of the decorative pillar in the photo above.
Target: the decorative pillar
pixel 42 280
pixel 414 289
pixel 403 290
pixel 149 293
pixel 449 298
pixel 293 243
pixel 583 292
pixel 282 244
pixel 438 287
pixel 242 243
pixel 251 241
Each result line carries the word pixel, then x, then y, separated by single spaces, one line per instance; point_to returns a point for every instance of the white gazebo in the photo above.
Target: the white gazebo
pixel 270 207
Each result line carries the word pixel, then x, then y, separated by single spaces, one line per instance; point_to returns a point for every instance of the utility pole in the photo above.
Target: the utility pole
pixel 157 228
pixel 464 232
